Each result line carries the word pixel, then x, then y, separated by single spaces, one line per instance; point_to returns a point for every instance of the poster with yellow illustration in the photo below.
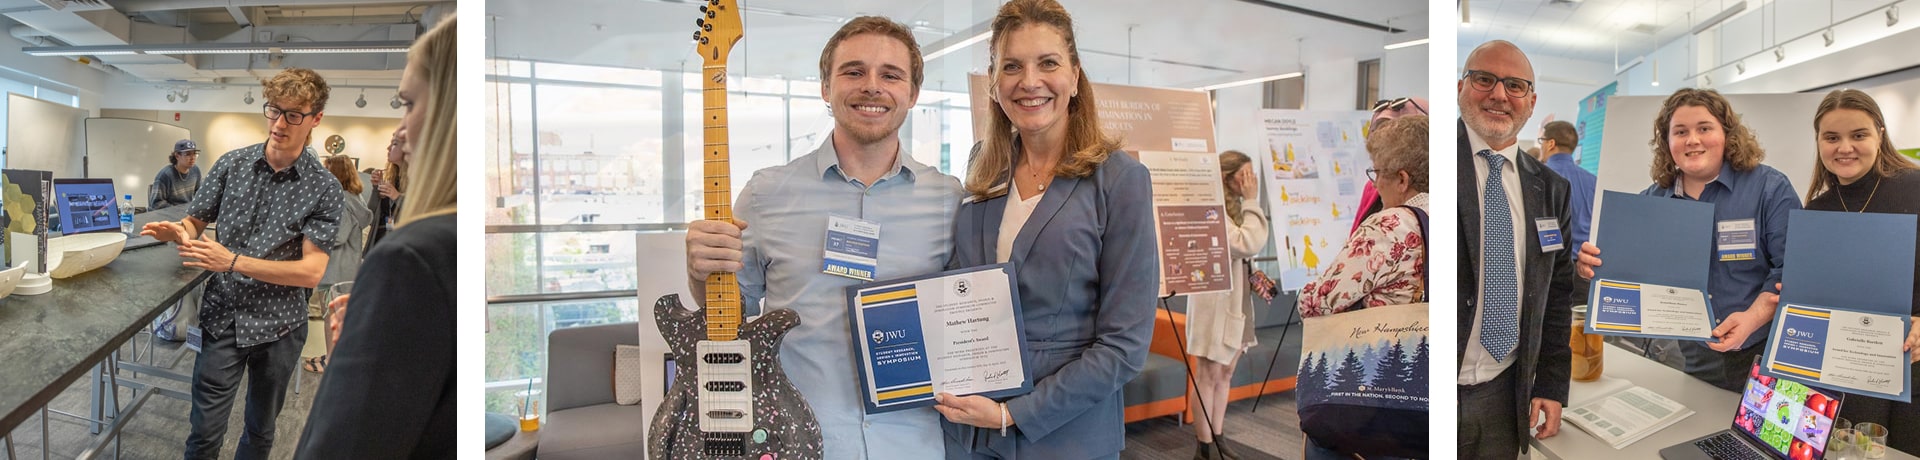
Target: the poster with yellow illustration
pixel 1315 172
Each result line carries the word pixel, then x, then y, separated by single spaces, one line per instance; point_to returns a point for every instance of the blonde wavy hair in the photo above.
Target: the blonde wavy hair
pixel 297 86
pixel 1086 146
pixel 431 175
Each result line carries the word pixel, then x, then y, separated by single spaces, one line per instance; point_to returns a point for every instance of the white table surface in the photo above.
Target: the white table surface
pixel 1712 407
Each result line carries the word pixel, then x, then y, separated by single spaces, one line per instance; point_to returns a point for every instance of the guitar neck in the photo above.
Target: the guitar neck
pixel 723 292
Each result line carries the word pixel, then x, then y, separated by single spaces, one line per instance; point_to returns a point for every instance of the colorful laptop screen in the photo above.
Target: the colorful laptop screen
pixel 1791 418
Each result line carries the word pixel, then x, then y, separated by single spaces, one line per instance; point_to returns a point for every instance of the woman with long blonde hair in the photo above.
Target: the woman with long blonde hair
pixel 390 388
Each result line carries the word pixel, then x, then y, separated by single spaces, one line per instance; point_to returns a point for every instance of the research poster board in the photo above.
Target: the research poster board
pixel 1314 172
pixel 1189 221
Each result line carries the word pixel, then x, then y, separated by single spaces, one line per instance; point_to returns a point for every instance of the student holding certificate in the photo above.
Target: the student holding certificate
pixel 1073 215
pixel 1859 171
pixel 1702 152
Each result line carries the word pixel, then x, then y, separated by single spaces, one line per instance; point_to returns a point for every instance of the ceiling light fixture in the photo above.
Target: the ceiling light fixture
pixel 183 95
pixel 957 46
pixel 1740 67
pixel 1466 19
pixel 249 99
pixel 170 96
pixel 1893 15
pixel 396 101
pixel 1779 53
pixel 1828 36
pixel 342 47
pixel 1408 43
pixel 362 102
pixel 1251 81
pixel 1656 72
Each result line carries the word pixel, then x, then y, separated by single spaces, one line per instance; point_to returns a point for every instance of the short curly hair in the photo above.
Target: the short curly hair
pixel 1400 144
pixel 1742 148
pixel 298 86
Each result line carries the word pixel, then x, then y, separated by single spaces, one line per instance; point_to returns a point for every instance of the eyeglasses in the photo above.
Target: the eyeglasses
pixel 293 118
pixel 1540 141
pixel 1373 175
pixel 1483 81
pixel 1396 104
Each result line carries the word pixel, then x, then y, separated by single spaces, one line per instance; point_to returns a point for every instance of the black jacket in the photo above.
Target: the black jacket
pixel 1546 295
pixel 389 391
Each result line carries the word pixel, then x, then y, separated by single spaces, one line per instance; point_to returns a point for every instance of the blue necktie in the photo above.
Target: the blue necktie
pixel 1500 304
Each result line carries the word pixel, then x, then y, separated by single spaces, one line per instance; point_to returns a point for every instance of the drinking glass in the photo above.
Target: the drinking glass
pixel 337 291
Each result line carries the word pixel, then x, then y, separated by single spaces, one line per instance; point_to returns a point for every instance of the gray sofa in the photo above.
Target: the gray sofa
pixel 582 420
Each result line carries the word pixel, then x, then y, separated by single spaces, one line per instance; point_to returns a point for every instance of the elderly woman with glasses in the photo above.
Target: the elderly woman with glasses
pixel 1386 109
pixel 1385 260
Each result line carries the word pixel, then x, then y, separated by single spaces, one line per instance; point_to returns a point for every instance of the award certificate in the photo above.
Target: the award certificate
pixel 1846 350
pixel 1651 310
pixel 955 332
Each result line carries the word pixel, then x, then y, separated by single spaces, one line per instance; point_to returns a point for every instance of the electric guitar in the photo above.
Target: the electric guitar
pixel 730 399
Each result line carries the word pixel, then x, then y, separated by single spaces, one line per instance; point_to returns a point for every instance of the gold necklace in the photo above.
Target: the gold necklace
pixel 1863 206
pixel 1034 177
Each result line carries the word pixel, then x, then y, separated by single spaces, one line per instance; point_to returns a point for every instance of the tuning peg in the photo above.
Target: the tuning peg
pixel 702 22
pixel 696 35
pixel 713 2
pixel 703 8
pixel 707 27
pixel 703 40
pixel 709 15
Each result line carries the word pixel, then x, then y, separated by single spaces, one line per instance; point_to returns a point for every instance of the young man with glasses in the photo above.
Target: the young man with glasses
pixel 1386 109
pixel 279 211
pixel 1515 291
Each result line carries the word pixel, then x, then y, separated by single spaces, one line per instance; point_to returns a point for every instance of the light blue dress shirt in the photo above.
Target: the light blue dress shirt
pixel 786 209
pixel 1582 185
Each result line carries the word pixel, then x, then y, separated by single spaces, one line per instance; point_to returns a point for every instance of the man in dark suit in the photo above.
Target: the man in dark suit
pixel 1515 283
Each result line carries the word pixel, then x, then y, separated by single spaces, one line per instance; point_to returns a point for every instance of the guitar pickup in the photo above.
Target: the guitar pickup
pixel 726 386
pixel 724 358
pixel 730 414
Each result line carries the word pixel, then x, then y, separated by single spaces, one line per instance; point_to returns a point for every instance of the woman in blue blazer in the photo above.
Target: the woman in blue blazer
pixel 1051 194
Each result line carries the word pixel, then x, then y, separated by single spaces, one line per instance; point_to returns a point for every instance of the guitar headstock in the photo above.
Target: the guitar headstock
pixel 717 29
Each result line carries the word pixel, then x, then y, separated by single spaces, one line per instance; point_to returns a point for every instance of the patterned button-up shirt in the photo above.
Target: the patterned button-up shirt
pixel 264 214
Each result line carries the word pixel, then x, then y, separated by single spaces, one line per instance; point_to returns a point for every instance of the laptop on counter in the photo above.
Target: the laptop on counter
pixel 1777 419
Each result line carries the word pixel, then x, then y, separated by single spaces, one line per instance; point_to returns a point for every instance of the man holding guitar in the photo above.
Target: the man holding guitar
pixel 870 76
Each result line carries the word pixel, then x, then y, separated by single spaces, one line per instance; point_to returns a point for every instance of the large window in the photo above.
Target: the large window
pixel 583 157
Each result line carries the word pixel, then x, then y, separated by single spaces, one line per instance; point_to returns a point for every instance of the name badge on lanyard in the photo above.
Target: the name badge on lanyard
pixel 853 248
pixel 1736 240
pixel 1550 239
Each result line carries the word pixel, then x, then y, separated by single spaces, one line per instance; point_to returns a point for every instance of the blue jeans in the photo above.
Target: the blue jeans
pixel 217 374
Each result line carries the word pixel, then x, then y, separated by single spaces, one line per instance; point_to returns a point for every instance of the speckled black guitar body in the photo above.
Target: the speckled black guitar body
pixel 783 425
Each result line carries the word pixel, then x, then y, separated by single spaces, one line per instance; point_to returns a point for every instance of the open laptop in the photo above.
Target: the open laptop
pixel 1777 419
pixel 88 205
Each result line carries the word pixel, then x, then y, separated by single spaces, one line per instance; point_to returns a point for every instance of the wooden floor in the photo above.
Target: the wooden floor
pixel 1271 433
pixel 159 430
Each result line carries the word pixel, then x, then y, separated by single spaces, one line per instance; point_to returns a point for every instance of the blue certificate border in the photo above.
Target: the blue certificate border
pixel 860 343
pixel 1593 294
pixel 1906 371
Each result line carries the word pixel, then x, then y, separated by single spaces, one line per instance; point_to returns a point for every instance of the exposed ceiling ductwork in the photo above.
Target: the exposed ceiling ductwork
pixel 157 23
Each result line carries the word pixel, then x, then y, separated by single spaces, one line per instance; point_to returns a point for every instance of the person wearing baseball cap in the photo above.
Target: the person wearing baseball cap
pixel 175 184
